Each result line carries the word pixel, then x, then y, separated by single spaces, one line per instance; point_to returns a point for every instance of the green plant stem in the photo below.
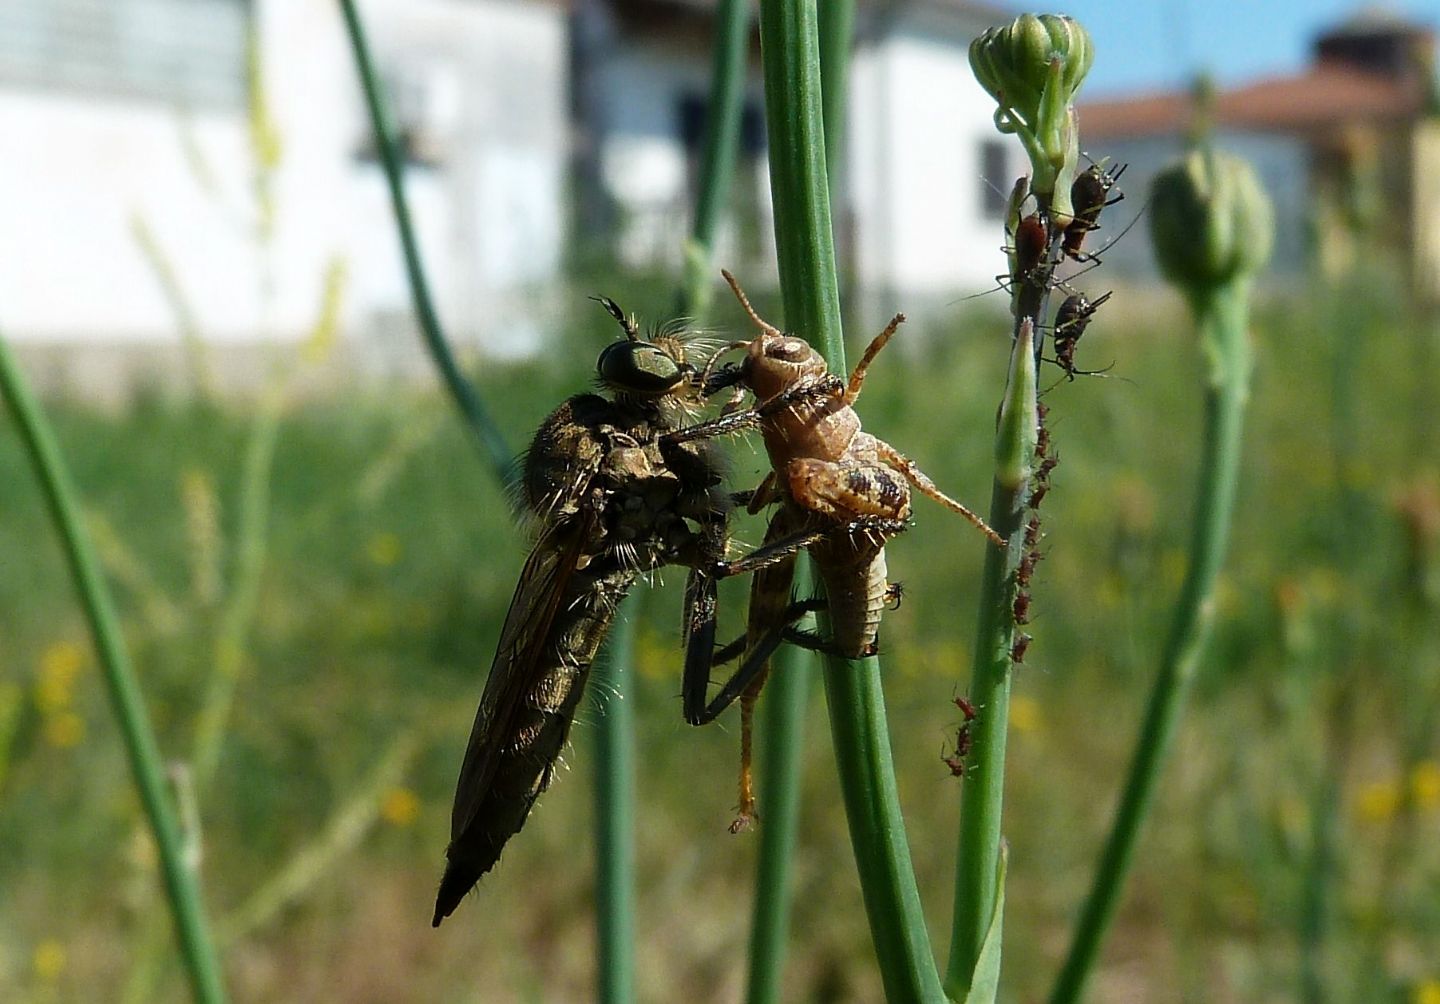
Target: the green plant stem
pixel 837 33
pixel 244 595
pixel 789 43
pixel 782 740
pixel 782 725
pixel 718 154
pixel 181 883
pixel 978 871
pixel 1221 318
pixel 477 418
pixel 615 813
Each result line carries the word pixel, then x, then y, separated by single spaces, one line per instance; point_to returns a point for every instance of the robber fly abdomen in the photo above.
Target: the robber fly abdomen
pixel 613 499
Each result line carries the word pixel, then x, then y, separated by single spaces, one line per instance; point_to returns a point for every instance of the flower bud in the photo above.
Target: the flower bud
pixel 1210 220
pixel 1032 67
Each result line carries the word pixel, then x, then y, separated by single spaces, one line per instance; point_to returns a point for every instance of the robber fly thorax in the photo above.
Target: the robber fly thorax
pixel 612 499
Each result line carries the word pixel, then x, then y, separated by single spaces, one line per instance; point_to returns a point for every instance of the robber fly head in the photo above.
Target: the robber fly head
pixel 636 366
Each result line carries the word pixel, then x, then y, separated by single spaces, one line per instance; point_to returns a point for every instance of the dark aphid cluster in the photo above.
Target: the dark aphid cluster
pixel 955 760
pixel 1030 554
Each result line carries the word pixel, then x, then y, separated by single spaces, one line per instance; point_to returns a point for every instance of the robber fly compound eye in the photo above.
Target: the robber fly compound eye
pixel 640 367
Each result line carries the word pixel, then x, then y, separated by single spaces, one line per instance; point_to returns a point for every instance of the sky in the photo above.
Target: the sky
pixel 1161 44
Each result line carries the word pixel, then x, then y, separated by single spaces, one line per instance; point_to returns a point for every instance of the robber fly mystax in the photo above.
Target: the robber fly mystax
pixel 614 498
pixel 841 494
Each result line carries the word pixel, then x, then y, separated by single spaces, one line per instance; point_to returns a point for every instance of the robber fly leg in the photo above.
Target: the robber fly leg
pixel 920 480
pixel 857 378
pixel 812 642
pixel 750 418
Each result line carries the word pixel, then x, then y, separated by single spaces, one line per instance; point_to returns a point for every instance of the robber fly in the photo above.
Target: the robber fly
pixel 614 498
pixel 841 493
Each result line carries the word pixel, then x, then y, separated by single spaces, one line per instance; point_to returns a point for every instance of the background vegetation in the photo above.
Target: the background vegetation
pixel 389 558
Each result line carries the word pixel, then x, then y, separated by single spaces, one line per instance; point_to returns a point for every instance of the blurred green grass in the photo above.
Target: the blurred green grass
pixel 391 560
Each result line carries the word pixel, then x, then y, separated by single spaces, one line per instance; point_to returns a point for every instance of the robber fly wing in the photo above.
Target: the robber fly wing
pixel 539 595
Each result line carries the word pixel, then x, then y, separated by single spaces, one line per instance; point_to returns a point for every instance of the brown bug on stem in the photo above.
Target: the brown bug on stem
pixel 840 494
pixel 963 740
pixel 1071 319
pixel 1021 607
pixel 1090 194
pixel 1018 647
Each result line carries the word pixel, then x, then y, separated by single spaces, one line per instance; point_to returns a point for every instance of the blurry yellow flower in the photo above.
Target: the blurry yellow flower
pixel 1378 801
pixel 59 665
pixel 400 807
pixel 1024 714
pixel 64 729
pixel 1427 992
pixel 1425 786
pixel 384 549
pixel 49 960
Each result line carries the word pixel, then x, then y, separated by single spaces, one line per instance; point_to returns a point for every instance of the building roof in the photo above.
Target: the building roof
pixel 1327 94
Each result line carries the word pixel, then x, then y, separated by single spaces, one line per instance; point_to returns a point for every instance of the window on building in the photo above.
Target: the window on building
pixel 693 112
pixel 995 179
pixel 181 52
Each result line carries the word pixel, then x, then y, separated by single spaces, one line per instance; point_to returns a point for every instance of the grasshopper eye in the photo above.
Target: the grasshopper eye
pixel 639 367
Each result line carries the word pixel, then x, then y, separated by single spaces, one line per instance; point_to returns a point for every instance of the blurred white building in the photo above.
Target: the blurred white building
pixel 131 163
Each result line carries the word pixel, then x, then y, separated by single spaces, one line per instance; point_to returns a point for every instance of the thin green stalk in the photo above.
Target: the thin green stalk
pixel 239 611
pixel 790 51
pixel 1222 318
pixel 782 740
pixel 615 813
pixel 782 723
pixel 837 33
pixel 718 154
pixel 487 434
pixel 978 870
pixel 181 883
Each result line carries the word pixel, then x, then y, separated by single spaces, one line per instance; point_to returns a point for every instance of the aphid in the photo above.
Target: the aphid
pixel 1038 493
pixel 1018 647
pixel 1032 238
pixel 1089 194
pixel 964 741
pixel 954 761
pixel 615 497
pixel 1026 567
pixel 1032 532
pixel 1071 320
pixel 841 493
pixel 1021 607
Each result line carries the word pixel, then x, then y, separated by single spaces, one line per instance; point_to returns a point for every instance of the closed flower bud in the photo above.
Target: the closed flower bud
pixel 1210 220
pixel 1032 67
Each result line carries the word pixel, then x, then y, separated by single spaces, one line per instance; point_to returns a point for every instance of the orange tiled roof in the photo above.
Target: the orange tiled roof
pixel 1326 94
